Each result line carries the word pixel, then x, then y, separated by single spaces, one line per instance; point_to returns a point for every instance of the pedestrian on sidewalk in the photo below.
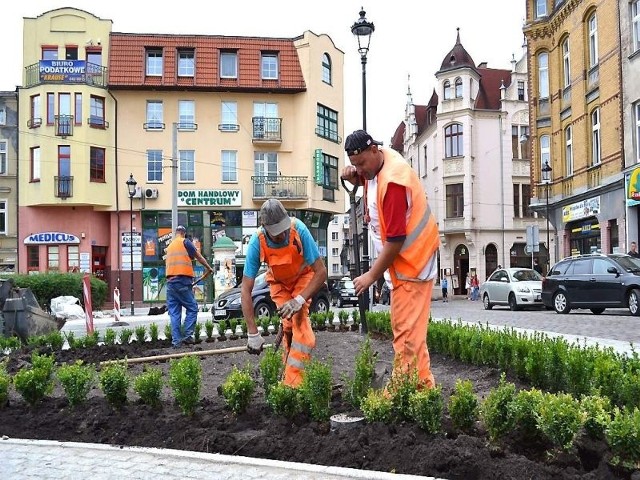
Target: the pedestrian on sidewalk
pixel 444 284
pixel 467 286
pixel 179 264
pixel 475 287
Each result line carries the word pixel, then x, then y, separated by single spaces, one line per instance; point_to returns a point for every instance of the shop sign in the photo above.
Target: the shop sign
pixel 51 238
pixel 586 208
pixel 209 198
pixel 632 185
pixel 68 71
pixel 318 167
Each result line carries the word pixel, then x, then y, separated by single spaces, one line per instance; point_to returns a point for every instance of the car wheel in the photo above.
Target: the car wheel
pixel 596 311
pixel 561 303
pixel 263 310
pixel 320 306
pixel 485 301
pixel 633 300
pixel 513 304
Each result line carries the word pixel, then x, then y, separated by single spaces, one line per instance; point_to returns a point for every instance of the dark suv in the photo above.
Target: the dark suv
pixel 344 293
pixel 594 281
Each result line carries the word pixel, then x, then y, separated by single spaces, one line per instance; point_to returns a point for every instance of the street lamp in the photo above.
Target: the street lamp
pixel 546 178
pixel 131 185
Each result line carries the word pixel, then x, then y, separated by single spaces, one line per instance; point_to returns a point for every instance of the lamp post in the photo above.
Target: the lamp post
pixel 131 185
pixel 546 178
pixel 363 29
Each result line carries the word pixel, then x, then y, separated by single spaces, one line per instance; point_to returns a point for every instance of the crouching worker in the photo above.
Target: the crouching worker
pixel 295 273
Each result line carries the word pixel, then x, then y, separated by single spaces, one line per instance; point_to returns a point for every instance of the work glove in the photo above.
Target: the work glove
pixel 290 308
pixel 254 343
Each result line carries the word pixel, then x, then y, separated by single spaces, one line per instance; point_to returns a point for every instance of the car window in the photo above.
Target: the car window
pixel 582 266
pixel 499 275
pixel 559 268
pixel 527 276
pixel 495 276
pixel 629 264
pixel 600 266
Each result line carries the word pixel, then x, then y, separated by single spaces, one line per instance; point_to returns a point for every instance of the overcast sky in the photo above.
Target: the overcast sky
pixel 410 38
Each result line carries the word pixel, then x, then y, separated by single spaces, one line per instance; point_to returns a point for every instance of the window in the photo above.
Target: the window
pixel 65 119
pixel 96 112
pixel 635 24
pixel 327 123
pixel 568 151
pixel 520 141
pixel 155 116
pixel 266 164
pixel 35 119
pixel 53 257
pixel 266 123
pixel 545 151
pixel 77 112
pixel 35 164
pixel 330 177
pixel 541 8
pixel 33 258
pixel 453 141
pixel 3 157
pixel 4 215
pixel 187 165
pixel 71 52
pixel 229 166
pixel 96 164
pixel 3 116
pixel 94 57
pixel 593 41
pixel 269 66
pixel 526 201
pixel 455 200
pixel 566 63
pixel 154 62
pixel 326 68
pixel 521 200
pixel 446 89
pixel 334 235
pixel 228 65
pixel 458 84
pixel 51 108
pixel 595 137
pixel 64 171
pixel 229 114
pixel 186 115
pixel 73 258
pixel 186 63
pixel 543 75
pixel 521 90
pixel 49 53
pixel 516 200
pixel 636 109
pixel 335 252
pixel 154 165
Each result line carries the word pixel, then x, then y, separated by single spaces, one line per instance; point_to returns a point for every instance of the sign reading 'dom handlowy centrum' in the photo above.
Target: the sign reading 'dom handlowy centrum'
pixel 52 238
pixel 209 198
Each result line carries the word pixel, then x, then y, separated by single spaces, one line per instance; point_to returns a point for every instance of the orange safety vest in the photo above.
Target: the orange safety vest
pixel 286 264
pixel 422 239
pixel 178 261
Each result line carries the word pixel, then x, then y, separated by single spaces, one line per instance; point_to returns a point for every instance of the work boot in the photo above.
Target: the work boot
pixel 188 341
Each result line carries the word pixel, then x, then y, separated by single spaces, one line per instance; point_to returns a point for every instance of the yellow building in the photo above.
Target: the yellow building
pixel 8 182
pixel 576 124
pixel 207 126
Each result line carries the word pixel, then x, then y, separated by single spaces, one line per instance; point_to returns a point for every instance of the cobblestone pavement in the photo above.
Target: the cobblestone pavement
pixel 47 460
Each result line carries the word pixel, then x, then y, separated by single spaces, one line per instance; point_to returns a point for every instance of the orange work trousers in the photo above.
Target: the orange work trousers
pixel 410 306
pixel 299 339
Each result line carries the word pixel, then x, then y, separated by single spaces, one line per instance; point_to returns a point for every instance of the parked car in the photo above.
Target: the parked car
pixel 515 287
pixel 228 305
pixel 344 293
pixel 593 281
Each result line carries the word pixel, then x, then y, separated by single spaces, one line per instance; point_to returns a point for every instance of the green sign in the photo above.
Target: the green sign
pixel 318 167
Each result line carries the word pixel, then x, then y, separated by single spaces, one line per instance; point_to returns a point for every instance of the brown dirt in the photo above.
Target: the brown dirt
pixel 400 448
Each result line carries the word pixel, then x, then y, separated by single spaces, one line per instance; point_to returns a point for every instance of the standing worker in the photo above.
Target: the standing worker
pixel 295 273
pixel 179 264
pixel 406 238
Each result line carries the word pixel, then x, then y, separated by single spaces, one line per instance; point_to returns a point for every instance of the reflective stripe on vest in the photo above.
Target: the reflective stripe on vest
pixel 178 261
pixel 292 362
pixel 306 349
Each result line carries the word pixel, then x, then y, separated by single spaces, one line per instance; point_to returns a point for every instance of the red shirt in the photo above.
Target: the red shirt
pixel 394 207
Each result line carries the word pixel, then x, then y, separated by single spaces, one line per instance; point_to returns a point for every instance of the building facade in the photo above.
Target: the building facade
pixel 575 106
pixel 338 253
pixel 8 182
pixel 466 146
pixel 206 126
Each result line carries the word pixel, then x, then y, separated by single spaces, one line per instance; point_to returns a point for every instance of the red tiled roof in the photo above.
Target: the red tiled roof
pixel 127 62
pixel 491 80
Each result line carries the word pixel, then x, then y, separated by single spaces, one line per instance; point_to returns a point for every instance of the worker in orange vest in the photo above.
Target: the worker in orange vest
pixel 405 236
pixel 295 273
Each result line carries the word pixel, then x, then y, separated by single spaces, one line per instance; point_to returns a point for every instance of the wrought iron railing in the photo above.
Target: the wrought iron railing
pixel 280 187
pixel 64 125
pixel 267 129
pixel 63 187
pixel 95 75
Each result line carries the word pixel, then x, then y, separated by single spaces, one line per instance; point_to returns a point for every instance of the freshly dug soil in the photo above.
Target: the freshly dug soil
pixel 401 448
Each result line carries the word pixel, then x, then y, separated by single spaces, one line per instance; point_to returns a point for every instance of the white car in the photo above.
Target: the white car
pixel 515 287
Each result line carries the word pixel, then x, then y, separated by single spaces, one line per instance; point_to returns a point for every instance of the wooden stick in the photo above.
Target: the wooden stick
pixel 202 353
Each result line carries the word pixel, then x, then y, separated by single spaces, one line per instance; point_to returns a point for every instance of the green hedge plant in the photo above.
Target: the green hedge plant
pixel 114 383
pixel 463 405
pixel 76 380
pixel 185 380
pixel 426 408
pixel 148 386
pixel 237 389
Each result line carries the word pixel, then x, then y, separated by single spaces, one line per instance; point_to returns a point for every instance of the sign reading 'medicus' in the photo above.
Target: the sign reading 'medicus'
pixel 50 238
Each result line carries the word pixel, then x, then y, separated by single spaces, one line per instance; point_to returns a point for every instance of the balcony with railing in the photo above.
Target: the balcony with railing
pixel 267 130
pixel 83 73
pixel 280 187
pixel 63 125
pixel 97 122
pixel 63 187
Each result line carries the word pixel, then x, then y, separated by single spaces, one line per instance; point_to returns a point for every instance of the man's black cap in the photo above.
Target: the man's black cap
pixel 359 141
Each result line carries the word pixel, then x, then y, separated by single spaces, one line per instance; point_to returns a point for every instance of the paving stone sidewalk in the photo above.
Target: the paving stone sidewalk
pixel 49 460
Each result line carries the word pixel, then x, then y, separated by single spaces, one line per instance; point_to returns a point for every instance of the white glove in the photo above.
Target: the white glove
pixel 290 308
pixel 254 343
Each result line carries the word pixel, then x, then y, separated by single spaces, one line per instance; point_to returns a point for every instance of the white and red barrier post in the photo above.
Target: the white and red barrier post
pixel 88 310
pixel 116 303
